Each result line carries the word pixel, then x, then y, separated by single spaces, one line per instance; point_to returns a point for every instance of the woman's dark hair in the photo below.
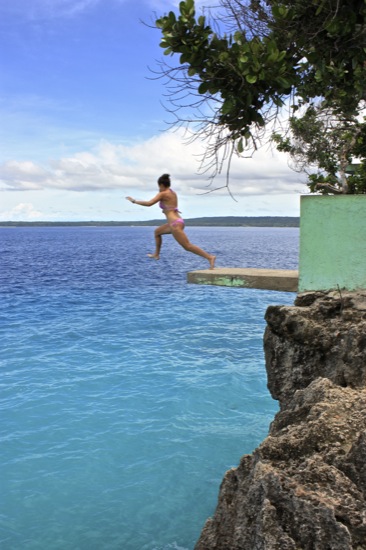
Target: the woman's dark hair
pixel 164 180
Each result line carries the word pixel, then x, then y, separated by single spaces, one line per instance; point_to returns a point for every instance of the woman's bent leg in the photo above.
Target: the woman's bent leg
pixel 183 240
pixel 162 230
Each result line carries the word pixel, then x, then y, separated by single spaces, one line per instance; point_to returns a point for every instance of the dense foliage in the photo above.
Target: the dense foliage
pixel 259 56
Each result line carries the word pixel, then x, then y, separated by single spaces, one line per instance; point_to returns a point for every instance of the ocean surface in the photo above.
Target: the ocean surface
pixel 125 392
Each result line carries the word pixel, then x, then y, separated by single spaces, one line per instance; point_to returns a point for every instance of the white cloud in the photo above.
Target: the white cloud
pixel 113 166
pixel 24 211
pixel 24 176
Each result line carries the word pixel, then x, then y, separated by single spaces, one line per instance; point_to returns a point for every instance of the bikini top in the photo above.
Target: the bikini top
pixel 168 208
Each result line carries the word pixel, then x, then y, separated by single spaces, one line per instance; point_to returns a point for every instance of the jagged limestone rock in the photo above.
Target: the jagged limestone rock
pixel 304 487
pixel 322 335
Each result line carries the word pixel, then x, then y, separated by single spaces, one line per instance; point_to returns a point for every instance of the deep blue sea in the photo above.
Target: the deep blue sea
pixel 125 392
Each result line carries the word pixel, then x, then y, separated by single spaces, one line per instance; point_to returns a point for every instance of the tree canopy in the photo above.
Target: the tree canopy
pixel 244 65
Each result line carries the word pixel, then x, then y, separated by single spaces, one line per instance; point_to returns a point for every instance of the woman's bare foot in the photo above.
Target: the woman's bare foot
pixel 212 262
pixel 154 256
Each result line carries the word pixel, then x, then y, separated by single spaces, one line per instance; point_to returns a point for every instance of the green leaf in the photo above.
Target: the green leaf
pixel 172 18
pixel 239 37
pixel 251 78
pixel 213 89
pixel 187 7
pixel 283 82
pixel 319 10
pixel 240 146
pixel 275 11
pixel 282 55
pixel 227 106
pixel 273 56
pixel 333 27
pixel 203 88
pixel 283 11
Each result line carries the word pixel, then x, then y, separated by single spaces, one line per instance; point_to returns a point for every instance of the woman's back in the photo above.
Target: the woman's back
pixel 170 201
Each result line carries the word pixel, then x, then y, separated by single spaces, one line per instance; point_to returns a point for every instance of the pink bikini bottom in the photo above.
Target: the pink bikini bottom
pixel 174 223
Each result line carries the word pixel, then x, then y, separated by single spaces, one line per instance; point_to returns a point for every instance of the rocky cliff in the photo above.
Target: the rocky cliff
pixel 304 487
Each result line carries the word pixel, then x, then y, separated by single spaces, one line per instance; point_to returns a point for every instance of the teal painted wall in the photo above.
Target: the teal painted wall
pixel 332 242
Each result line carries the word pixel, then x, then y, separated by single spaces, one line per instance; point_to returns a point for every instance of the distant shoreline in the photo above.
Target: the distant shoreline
pixel 225 221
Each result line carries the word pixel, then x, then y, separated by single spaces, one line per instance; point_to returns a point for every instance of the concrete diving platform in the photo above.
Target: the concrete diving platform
pixel 265 279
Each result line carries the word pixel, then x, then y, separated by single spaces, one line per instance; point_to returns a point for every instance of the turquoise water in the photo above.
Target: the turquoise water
pixel 126 393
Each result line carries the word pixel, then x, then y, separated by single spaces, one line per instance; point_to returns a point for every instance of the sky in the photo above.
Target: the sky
pixel 83 121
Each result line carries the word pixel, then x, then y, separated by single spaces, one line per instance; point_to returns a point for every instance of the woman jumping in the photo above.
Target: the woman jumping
pixel 168 202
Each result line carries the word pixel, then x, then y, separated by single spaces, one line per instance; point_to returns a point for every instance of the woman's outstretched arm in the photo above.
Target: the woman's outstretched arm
pixel 151 202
